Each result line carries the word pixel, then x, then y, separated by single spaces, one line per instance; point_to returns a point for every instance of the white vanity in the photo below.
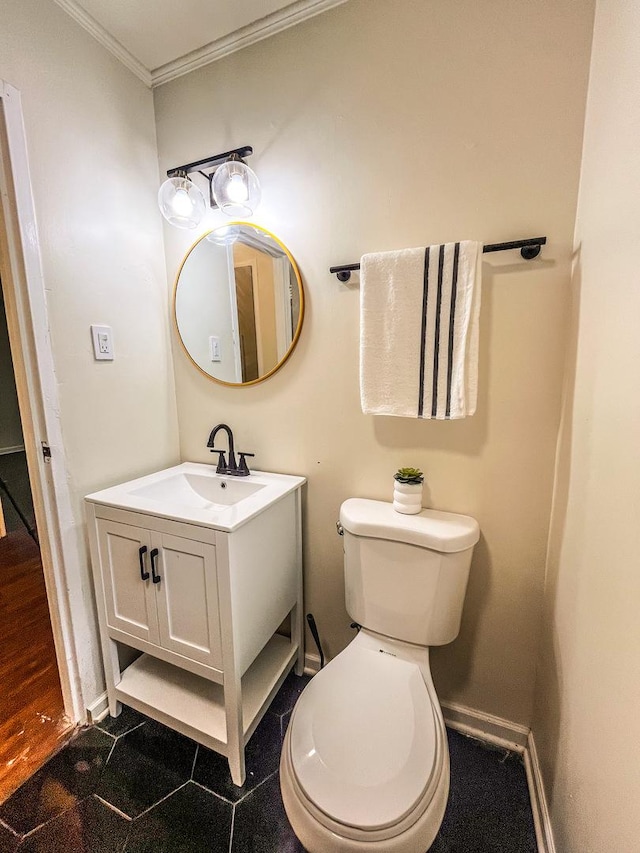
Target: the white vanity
pixel 198 571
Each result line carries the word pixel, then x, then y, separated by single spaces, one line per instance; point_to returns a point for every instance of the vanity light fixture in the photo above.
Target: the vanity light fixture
pixel 233 187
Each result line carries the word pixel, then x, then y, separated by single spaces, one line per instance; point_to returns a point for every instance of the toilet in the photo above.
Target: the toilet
pixel 365 761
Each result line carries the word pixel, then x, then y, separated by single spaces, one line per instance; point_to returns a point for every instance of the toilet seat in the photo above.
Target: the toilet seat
pixel 364 741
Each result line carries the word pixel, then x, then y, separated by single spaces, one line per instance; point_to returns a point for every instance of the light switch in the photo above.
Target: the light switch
pixel 102 343
pixel 214 348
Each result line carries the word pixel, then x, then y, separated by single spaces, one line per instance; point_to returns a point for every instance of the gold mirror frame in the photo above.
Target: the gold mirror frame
pixel 296 332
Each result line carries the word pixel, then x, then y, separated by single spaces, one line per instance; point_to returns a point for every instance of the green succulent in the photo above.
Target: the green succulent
pixel 409 475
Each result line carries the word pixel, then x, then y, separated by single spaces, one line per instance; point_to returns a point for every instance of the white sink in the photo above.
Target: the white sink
pixel 194 493
pixel 198 491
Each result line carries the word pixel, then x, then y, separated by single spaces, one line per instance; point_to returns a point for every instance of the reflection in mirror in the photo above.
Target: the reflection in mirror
pixel 238 304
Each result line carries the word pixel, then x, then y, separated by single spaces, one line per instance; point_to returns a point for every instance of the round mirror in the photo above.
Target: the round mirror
pixel 238 304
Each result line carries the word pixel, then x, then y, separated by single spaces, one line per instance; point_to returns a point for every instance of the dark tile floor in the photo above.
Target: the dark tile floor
pixel 130 785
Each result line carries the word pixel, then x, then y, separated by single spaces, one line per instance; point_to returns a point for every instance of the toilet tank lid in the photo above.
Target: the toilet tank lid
pixel 446 532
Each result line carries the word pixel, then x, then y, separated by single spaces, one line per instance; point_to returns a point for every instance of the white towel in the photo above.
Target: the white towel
pixel 419 313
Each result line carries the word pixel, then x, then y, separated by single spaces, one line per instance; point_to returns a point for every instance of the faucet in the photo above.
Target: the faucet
pixel 234 468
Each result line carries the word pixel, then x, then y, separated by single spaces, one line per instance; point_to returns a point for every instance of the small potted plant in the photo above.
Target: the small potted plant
pixel 407 490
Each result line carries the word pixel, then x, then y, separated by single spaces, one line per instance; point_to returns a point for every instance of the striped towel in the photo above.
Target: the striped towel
pixel 419 312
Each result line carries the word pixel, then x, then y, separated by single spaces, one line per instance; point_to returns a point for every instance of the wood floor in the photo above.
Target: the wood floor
pixel 32 721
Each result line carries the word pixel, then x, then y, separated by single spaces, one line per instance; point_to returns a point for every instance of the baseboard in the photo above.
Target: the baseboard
pixel 541 819
pixel 487 727
pixel 517 738
pixel 98 709
pixel 16 448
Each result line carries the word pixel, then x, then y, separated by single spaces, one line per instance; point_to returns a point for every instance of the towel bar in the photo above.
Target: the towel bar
pixel 529 249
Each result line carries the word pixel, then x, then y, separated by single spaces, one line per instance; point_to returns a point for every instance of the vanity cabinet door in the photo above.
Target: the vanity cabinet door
pixel 187 597
pixel 130 599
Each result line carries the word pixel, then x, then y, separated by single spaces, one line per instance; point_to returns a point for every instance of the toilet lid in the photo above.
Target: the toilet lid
pixel 363 739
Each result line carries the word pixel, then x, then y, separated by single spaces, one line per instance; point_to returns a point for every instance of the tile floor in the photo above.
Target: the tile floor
pixel 130 785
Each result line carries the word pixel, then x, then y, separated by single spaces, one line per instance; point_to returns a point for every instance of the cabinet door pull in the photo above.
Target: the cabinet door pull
pixel 144 575
pixel 154 556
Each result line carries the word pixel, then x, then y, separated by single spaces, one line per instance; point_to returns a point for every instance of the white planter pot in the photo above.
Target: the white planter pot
pixel 407 497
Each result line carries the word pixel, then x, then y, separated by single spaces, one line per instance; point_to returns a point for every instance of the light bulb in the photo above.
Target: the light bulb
pixel 237 190
pixel 181 202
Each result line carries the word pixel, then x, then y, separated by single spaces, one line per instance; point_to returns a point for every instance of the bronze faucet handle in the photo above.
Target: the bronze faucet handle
pixel 243 468
pixel 222 462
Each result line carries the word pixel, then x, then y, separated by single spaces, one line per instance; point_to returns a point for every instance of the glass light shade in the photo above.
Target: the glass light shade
pixel 181 202
pixel 236 188
pixel 226 235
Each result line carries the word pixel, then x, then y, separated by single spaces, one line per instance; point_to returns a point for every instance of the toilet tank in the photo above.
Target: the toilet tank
pixel 406 575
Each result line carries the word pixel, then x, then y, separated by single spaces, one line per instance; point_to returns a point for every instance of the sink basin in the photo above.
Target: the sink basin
pixel 194 493
pixel 198 491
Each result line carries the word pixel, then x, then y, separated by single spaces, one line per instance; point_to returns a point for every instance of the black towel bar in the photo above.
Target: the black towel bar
pixel 529 249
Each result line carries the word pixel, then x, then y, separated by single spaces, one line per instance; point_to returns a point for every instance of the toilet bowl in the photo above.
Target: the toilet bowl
pixel 365 762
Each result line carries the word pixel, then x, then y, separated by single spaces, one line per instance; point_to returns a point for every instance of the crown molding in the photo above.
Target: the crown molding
pixel 291 15
pixel 112 44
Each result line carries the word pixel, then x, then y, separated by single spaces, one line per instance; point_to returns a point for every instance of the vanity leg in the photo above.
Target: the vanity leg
pixel 235 732
pixel 237 768
pixel 232 686
pixel 297 635
pixel 297 615
pixel 112 675
pixel 110 656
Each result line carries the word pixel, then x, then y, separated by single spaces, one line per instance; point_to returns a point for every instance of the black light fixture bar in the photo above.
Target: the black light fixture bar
pixel 210 162
pixel 529 249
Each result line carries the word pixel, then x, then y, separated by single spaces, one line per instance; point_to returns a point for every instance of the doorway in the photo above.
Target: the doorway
pixel 32 718
pixel 38 570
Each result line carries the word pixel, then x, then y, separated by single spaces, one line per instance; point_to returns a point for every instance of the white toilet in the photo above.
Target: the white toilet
pixel 365 762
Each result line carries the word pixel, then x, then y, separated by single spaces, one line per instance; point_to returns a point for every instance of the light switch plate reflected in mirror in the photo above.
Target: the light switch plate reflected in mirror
pixel 214 348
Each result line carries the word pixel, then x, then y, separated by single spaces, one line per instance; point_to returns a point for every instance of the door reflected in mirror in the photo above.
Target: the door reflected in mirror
pixel 238 304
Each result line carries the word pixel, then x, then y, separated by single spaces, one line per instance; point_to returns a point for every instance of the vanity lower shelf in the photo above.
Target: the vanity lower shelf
pixel 195 706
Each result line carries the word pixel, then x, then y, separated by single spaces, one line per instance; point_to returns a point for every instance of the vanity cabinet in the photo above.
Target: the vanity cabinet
pixel 162 589
pixel 199 610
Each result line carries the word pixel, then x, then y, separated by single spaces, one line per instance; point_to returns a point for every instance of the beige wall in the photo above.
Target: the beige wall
pixel 385 125
pixel 588 689
pixel 91 141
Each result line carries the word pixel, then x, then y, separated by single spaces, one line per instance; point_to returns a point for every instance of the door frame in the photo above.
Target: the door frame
pixel 28 323
pixel 233 301
pixel 282 287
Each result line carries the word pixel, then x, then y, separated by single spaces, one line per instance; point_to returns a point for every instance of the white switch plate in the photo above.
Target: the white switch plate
pixel 102 343
pixel 214 348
